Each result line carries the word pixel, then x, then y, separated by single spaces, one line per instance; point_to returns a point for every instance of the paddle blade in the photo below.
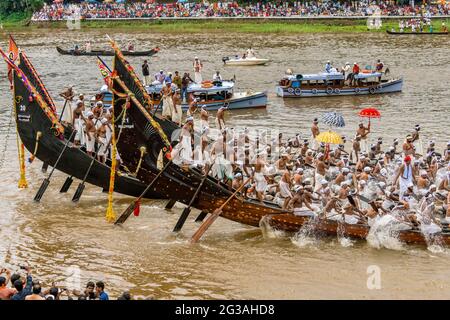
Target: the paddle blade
pixel 78 193
pixel 182 219
pixel 65 187
pixel 201 216
pixel 124 216
pixel 170 204
pixel 44 167
pixel 205 225
pixel 41 190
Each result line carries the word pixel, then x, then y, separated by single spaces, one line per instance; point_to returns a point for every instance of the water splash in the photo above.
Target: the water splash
pixel 342 239
pixel 307 235
pixel 384 234
pixel 268 231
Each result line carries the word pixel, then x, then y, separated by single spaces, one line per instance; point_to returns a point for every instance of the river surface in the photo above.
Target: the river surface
pixel 67 243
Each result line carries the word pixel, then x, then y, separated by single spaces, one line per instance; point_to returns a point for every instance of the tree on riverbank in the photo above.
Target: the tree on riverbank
pixel 19 7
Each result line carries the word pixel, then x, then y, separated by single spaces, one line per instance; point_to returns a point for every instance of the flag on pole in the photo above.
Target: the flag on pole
pixel 13 54
pixel 104 70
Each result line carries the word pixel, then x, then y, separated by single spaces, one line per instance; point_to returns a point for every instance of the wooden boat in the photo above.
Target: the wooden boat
pixel 237 61
pixel 72 52
pixel 417 33
pixel 180 184
pixel 32 117
pixel 329 84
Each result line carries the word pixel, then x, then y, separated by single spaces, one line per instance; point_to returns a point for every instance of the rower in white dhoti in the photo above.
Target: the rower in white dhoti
pixel 405 173
pixel 198 66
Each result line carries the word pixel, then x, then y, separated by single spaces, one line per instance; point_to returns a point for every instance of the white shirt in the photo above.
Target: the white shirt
pixel 217 77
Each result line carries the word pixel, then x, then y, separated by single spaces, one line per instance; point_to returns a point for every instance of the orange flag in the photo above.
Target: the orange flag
pixel 13 55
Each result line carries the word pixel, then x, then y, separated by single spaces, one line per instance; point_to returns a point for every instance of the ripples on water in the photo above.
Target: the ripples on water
pixel 232 261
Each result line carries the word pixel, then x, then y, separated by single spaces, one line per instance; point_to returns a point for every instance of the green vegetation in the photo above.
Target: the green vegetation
pixel 18 12
pixel 239 26
pixel 216 25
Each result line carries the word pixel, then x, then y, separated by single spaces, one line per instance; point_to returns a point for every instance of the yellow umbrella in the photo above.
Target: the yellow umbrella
pixel 330 137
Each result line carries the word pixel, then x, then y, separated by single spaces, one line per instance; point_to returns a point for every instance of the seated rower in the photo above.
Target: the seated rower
pixel 297 202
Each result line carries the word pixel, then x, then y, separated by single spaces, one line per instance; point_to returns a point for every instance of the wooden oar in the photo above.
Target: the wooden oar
pixel 80 189
pixel 65 187
pixel 157 108
pixel 187 210
pixel 201 216
pixel 209 221
pixel 170 204
pixel 44 167
pixel 46 181
pixel 124 216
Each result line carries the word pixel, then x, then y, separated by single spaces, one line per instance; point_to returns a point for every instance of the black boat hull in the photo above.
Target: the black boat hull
pixel 30 119
pixel 104 53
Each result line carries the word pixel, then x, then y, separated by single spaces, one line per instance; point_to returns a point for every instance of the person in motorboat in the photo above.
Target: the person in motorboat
pixel 250 53
pixel 328 67
pixel 160 76
pixel 217 76
pixel 198 66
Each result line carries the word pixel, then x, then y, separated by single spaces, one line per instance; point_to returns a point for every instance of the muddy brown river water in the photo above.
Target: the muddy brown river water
pixel 72 243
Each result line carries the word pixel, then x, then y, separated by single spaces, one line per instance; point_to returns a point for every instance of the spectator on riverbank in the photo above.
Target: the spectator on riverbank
pixel 100 291
pixel 23 288
pixel 5 292
pixel 136 10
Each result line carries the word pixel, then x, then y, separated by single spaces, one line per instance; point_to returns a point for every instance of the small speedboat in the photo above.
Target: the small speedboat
pixel 238 61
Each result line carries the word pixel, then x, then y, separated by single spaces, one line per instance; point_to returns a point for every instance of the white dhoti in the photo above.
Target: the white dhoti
pixel 102 146
pixel 167 107
pixel 303 212
pixel 405 180
pixel 314 143
pixel 350 219
pixel 285 192
pixel 204 123
pixel 178 115
pixel 78 125
pixel 220 124
pixel 68 113
pixel 419 146
pixel 90 144
pixel 430 228
pixel 222 168
pixel 186 153
pixel 364 146
pixel 198 77
pixel 261 183
pixel 318 181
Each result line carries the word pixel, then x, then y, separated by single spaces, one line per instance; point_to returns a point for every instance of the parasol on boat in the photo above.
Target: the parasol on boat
pixel 370 113
pixel 330 137
pixel 333 119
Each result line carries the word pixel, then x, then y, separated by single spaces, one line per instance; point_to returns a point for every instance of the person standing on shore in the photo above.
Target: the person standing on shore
pixel 198 66
pixel 146 73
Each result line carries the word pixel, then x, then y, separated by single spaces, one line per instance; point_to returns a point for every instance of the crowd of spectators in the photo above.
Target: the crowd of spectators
pixel 22 286
pixel 85 10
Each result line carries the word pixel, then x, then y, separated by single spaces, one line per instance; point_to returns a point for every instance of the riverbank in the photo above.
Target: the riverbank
pixel 338 25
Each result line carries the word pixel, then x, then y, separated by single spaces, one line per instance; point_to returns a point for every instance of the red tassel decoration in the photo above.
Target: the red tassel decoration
pixel 137 208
